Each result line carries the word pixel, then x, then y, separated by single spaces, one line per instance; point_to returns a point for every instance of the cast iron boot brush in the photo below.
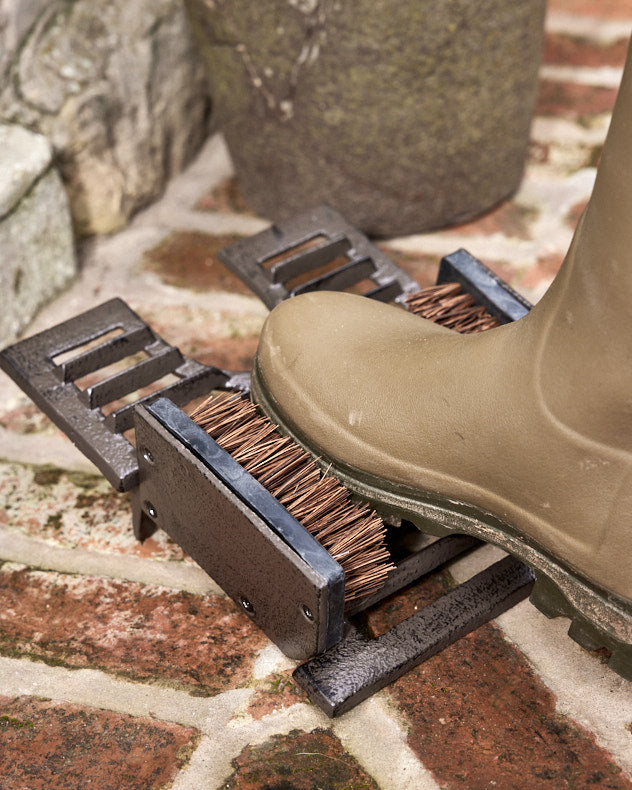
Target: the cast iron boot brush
pixel 99 374
pixel 351 532
pixel 521 436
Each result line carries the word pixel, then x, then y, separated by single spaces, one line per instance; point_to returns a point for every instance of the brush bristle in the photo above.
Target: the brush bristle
pixel 449 306
pixel 352 533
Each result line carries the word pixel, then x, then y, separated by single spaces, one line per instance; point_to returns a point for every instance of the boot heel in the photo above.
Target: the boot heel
pixel 586 635
pixel 547 597
pixel 621 660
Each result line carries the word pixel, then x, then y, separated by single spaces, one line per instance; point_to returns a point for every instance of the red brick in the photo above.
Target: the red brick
pixel 298 761
pixel 219 339
pixel 570 51
pixel 230 353
pixel 606 9
pixel 571 100
pixel 45 745
pixel 226 197
pixel 479 716
pixel 188 259
pixel 508 218
pixel 545 269
pixel 575 213
pixel 141 631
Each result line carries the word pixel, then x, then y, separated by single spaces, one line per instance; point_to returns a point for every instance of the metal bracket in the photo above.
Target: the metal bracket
pixel 487 289
pixel 358 666
pixel 32 364
pixel 305 247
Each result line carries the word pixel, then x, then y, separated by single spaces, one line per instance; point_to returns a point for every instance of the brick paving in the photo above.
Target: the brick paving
pixel 143 632
pixel 50 744
pixel 300 761
pixel 122 665
pixel 493 710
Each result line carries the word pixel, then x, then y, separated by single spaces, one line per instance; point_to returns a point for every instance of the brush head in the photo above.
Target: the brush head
pixel 447 305
pixel 352 533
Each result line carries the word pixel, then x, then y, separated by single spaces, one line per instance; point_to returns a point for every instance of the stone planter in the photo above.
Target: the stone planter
pixel 404 116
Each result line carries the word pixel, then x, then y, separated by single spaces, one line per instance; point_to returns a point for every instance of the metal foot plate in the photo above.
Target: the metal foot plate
pixel 359 666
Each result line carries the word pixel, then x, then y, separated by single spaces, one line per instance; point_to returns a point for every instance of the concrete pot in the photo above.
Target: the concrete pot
pixel 405 116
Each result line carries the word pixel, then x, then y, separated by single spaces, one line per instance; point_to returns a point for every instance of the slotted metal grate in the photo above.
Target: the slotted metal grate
pixel 79 412
pixel 315 251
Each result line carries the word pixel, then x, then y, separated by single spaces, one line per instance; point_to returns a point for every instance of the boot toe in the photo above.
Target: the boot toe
pixel 323 360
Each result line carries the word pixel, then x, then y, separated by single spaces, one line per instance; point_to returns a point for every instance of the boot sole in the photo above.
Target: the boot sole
pixel 599 619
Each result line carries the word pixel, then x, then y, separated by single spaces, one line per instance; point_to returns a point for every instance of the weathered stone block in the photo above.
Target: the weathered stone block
pixel 119 90
pixel 404 116
pixel 36 240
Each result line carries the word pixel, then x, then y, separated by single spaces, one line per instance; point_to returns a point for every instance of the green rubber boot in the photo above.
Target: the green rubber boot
pixel 521 435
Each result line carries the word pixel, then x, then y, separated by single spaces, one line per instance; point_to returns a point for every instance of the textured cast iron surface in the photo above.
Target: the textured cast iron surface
pixel 261 502
pixel 251 259
pixel 485 287
pixel 359 666
pixel 30 363
pixel 182 494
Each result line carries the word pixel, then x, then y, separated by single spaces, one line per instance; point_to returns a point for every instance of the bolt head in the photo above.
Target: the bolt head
pixel 246 605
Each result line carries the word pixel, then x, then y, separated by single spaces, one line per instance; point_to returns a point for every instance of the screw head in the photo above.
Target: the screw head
pixel 148 456
pixel 307 612
pixel 246 605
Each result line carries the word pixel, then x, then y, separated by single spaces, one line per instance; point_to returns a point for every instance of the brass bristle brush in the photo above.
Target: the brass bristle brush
pixel 352 533
pixel 447 305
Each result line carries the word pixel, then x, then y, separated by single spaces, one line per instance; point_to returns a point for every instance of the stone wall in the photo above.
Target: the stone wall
pixel 116 87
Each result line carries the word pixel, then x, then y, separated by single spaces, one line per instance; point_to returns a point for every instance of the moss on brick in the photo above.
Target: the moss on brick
pixel 298 761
